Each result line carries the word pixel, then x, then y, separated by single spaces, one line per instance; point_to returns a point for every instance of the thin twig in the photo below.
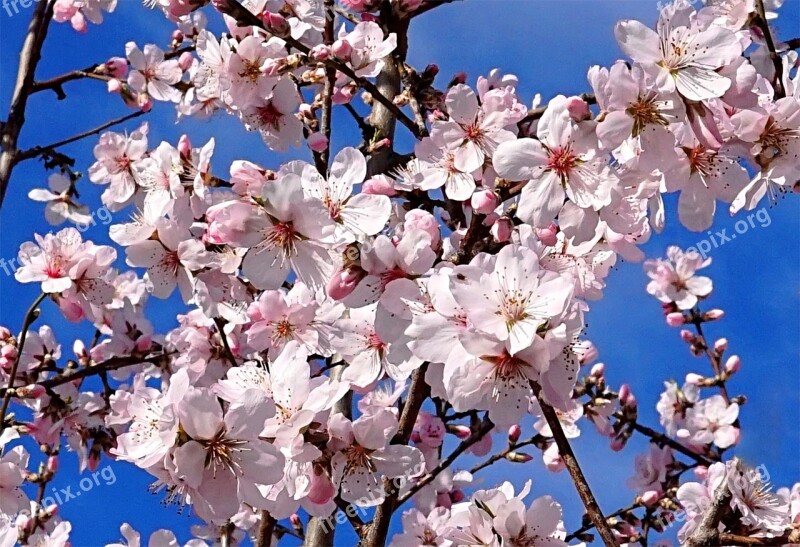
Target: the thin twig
pixel 763 24
pixel 571 462
pixel 38 150
pixel 30 317
pixel 662 439
pixel 228 352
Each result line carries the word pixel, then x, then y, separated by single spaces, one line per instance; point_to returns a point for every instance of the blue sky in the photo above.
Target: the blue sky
pixel 549 44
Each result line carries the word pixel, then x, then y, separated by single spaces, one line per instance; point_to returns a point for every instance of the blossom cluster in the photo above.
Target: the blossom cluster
pixel 321 302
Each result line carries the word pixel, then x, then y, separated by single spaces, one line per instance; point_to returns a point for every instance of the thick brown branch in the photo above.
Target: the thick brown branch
pixel 707 534
pixel 29 58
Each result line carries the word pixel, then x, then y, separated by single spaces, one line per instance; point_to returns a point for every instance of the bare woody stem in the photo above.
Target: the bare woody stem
pixel 30 317
pixel 30 55
pixel 265 529
pixel 763 24
pixel 571 462
pixel 664 440
pixel 39 150
pixel 707 534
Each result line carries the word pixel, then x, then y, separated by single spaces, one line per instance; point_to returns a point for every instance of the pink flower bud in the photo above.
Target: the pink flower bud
pixel 650 498
pixel 185 61
pixel 342 49
pixel 423 220
pixel 598 370
pixel 733 364
pixel 415 436
pixel 177 36
pixel 5 334
pixel 443 500
pixel 514 433
pixel 370 18
pixel 631 402
pixel 459 78
pixel 617 444
pixel 294 519
pixel 484 201
pixel 578 109
pixel 694 378
pixel 52 464
pixel 457 496
pixel 343 283
pixel 116 67
pixel 460 431
pixel 409 6
pixel 93 461
pixel 360 6
pixel 688 337
pixel 548 236
pixel 144 102
pixel 275 23
pixel 114 86
pixel 587 351
pixel 78 22
pixel 317 142
pixel 144 343
pixel 51 511
pixel 721 345
pixel 382 144
pixel 501 230
pixel 185 146
pixel 713 315
pixel 379 185
pixel 675 319
pixel 624 393
pixel 320 52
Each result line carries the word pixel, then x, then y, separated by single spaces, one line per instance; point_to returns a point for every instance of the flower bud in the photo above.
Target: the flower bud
pixel 624 393
pixel 379 185
pixel 701 472
pixel 597 370
pixel 320 52
pixel 721 345
pixel 177 36
pixel 688 337
pixel 617 444
pixel 514 433
pixel 360 6
pixel 342 49
pixel 457 496
pixel 650 498
pixel 733 364
pixel 275 23
pixel 144 102
pixel 548 236
pixel 460 431
pixel 295 521
pixel 713 315
pixel 675 319
pixel 631 402
pixel 518 457
pixel 343 283
pixel 694 379
pixel 30 391
pixel 484 201
pixel 116 67
pixel 501 230
pixel 317 142
pixel 185 61
pixel 578 109
pixel 185 146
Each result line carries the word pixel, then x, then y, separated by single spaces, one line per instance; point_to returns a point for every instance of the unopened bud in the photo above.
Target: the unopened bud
pixel 721 345
pixel 484 202
pixel 514 433
pixel 342 49
pixel 733 364
pixel 578 109
pixel 650 498
pixel 694 379
pixel 275 23
pixel 676 319
pixel 624 393
pixel 457 496
pixel 598 370
pixel 501 230
pixel 320 52
pixel 116 67
pixel 460 431
pixel 52 464
pixel 518 457
pixel 185 61
pixel 380 185
pixel 30 391
pixel 317 142
pixel 343 283
pixel 185 146
pixel 688 337
pixel 114 85
pixel 548 236
pixel 617 444
pixel 713 315
pixel 295 520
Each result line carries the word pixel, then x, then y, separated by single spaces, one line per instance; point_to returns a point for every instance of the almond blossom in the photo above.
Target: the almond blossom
pixel 152 74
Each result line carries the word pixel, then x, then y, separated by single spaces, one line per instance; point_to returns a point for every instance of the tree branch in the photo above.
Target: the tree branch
pixel 29 58
pixel 763 24
pixel 571 462
pixel 38 150
pixel 30 317
pixel 707 534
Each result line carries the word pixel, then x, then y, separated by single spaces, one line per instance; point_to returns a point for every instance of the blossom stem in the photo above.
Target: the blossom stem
pixel 660 438
pixel 29 58
pixel 327 92
pixel 571 462
pixel 502 455
pixel 30 317
pixel 228 352
pixel 763 24
pixel 697 321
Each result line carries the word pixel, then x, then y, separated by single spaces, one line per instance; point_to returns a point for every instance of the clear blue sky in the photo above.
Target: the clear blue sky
pixel 549 44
